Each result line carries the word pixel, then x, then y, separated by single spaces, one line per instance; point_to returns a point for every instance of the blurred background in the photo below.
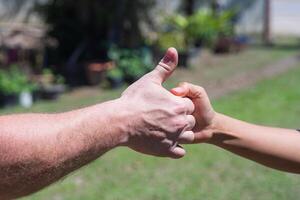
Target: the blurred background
pixel 57 55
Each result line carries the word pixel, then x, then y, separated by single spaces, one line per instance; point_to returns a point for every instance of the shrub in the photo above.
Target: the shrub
pixel 132 64
pixel 207 27
pixel 14 81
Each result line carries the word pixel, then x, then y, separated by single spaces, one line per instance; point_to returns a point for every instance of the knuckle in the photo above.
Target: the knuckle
pixel 180 123
pixel 201 90
pixel 189 103
pixel 198 92
pixel 192 121
pixel 179 107
pixel 159 135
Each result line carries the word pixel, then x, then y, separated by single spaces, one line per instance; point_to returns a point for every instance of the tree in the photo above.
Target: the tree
pixel 12 8
pixel 94 24
pixel 86 29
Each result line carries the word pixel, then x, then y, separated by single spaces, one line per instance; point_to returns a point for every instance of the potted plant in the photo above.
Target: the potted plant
pixel 115 77
pixel 132 63
pixel 201 28
pixel 15 87
pixel 175 34
pixel 50 85
pixel 8 90
pixel 133 68
pixel 213 30
pixel 225 30
pixel 95 71
pixel 177 40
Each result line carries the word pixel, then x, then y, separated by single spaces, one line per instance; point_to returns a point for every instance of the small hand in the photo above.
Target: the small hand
pixel 158 119
pixel 204 113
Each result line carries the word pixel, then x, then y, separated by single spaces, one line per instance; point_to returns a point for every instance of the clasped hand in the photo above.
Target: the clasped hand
pixel 160 120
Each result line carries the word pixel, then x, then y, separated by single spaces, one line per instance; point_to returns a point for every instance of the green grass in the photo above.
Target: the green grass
pixel 206 172
pixel 210 68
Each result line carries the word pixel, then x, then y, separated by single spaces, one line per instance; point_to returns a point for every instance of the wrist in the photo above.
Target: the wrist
pixel 118 121
pixel 215 128
pixel 104 123
pixel 126 119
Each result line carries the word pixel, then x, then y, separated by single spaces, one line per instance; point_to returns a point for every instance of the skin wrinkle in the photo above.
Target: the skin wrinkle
pixel 165 67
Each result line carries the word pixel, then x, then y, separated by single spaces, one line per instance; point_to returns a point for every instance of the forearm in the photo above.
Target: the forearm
pixel 273 147
pixel 38 149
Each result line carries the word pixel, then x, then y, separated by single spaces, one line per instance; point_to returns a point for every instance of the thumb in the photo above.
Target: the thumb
pixel 189 90
pixel 196 93
pixel 165 67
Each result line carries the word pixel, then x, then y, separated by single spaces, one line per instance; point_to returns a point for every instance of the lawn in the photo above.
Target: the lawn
pixel 209 68
pixel 206 172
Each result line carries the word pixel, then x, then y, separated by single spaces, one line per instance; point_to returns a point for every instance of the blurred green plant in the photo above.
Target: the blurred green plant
pixel 132 64
pixel 204 27
pixel 49 78
pixel 115 77
pixel 115 73
pixel 14 81
pixel 175 34
pixel 175 39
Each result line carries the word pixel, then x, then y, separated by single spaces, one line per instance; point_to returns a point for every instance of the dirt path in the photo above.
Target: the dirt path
pixel 246 79
pixel 236 79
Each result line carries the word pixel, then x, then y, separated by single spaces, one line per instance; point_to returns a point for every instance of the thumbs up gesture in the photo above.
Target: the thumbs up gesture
pixel 157 119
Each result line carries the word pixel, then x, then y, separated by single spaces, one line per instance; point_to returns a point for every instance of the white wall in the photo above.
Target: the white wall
pixel 252 19
pixel 285 17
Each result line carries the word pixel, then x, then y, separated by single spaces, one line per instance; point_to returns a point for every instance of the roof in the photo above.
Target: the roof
pixel 23 36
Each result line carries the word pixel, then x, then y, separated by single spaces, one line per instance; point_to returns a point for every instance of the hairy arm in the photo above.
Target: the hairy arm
pixel 38 149
pixel 273 147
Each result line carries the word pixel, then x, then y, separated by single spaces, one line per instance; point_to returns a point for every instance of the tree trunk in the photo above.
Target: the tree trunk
pixel 189 7
pixel 266 24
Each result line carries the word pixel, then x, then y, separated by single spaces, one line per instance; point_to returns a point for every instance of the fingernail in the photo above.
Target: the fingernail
pixel 178 90
pixel 187 136
pixel 169 58
pixel 180 152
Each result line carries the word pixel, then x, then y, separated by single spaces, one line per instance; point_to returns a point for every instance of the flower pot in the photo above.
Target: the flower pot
pixel 26 99
pixel 223 45
pixel 8 100
pixel 95 71
pixel 131 79
pixel 198 43
pixel 115 82
pixel 240 43
pixel 51 92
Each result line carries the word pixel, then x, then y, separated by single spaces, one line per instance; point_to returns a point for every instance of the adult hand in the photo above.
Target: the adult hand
pixel 158 119
pixel 204 113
